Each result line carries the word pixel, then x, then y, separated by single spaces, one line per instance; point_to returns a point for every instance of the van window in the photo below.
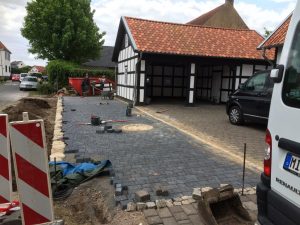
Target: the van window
pixel 291 85
pixel 257 82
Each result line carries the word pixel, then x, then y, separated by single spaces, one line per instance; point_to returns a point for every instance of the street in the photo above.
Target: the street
pixel 10 93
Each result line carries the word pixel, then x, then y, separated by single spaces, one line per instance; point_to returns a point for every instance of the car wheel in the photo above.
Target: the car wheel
pixel 235 115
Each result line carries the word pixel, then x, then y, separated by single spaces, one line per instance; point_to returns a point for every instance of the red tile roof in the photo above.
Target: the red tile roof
pixel 278 37
pixel 40 69
pixel 182 39
pixel 2 47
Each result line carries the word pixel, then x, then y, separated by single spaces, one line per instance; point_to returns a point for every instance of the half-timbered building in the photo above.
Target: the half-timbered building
pixel 170 60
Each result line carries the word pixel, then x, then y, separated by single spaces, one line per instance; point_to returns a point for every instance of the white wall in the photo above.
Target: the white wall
pixel 4 65
pixel 279 52
pixel 130 78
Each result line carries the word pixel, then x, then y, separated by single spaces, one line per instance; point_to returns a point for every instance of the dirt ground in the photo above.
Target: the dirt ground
pixel 38 108
pixel 92 203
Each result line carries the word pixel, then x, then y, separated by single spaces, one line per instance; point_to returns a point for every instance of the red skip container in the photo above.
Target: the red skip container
pixel 76 82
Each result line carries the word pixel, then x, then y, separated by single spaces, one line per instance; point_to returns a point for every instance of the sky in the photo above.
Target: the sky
pixel 256 13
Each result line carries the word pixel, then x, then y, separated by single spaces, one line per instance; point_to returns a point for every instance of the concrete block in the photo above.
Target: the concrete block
pixel 140 206
pixel 142 196
pixel 150 205
pixel 131 207
pixel 197 194
pixel 118 191
pixel 161 203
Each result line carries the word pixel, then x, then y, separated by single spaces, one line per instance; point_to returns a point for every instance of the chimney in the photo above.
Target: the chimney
pixel 229 2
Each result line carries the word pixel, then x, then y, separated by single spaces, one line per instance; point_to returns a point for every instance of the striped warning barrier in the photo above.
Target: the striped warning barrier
pixel 32 171
pixel 5 163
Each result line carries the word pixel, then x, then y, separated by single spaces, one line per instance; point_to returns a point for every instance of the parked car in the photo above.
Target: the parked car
pixel 22 76
pixel 29 83
pixel 251 102
pixel 278 193
pixel 15 77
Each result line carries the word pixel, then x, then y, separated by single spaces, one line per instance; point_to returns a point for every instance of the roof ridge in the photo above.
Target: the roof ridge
pixel 189 25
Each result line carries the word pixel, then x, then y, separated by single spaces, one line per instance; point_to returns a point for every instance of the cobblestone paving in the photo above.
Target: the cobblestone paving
pixel 143 160
pixel 210 122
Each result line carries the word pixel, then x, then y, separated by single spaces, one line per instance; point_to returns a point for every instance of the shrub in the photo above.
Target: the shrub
pixel 45 88
pixel 59 71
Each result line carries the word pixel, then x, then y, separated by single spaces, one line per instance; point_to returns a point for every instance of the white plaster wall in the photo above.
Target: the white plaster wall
pixel 4 62
pixel 247 70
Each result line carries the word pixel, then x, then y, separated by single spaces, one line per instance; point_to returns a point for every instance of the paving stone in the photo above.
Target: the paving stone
pixel 154 220
pixel 250 206
pixel 164 213
pixel 175 209
pixel 169 221
pixel 196 220
pixel 150 205
pixel 142 196
pixel 186 222
pixel 189 209
pixel 131 206
pixel 197 194
pixel 180 216
pixel 140 206
pixel 150 212
pixel 160 203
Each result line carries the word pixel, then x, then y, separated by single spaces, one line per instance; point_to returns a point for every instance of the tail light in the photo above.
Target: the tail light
pixel 268 154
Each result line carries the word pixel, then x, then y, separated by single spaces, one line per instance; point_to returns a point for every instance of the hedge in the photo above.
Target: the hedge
pixel 59 71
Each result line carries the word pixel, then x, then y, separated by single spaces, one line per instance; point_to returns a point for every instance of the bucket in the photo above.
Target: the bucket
pixel 95 121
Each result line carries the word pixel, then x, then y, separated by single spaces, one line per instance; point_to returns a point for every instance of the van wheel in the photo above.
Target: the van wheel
pixel 235 115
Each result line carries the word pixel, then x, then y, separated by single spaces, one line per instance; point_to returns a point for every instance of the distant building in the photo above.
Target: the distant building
pixel 37 69
pixel 4 61
pixel 104 61
pixel 17 64
pixel 224 16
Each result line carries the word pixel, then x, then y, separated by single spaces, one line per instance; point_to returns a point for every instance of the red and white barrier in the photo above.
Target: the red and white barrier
pixel 32 170
pixel 5 161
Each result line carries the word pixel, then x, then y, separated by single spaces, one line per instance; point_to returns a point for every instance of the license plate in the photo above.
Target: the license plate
pixel 292 164
pixel 28 86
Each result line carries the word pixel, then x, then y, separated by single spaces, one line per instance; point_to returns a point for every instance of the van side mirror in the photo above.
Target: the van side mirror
pixel 277 73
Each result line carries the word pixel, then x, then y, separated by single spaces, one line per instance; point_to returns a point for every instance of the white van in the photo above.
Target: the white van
pixel 278 193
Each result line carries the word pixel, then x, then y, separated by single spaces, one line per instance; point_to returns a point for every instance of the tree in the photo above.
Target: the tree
pixel 21 70
pixel 62 29
pixel 267 32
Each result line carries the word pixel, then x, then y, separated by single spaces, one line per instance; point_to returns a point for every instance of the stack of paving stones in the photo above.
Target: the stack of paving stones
pixel 144 160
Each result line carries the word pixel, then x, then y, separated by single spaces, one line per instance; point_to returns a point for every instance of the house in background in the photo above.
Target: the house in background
pixel 277 39
pixel 224 16
pixel 185 61
pixel 37 69
pixel 17 64
pixel 4 61
pixel 104 61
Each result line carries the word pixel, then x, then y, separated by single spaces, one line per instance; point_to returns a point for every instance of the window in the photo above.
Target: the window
pixel 257 82
pixel 5 68
pixel 126 41
pixel 291 85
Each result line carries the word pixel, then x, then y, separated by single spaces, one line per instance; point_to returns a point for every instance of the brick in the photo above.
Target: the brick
pixel 150 212
pixel 154 220
pixel 197 194
pixel 180 216
pixel 169 221
pixel 161 203
pixel 196 220
pixel 189 209
pixel 140 206
pixel 151 205
pixel 142 196
pixel 131 206
pixel 164 213
pixel 175 209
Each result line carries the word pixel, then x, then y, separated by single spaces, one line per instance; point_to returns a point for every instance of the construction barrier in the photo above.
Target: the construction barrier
pixel 5 161
pixel 32 171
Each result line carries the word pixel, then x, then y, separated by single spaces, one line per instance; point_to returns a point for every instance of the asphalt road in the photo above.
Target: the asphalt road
pixel 10 93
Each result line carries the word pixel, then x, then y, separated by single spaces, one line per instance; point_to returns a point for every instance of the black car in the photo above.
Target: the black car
pixel 251 102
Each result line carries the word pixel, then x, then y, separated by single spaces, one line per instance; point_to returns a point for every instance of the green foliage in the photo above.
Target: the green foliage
pixel 59 71
pixel 267 32
pixel 20 70
pixel 45 88
pixel 62 29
